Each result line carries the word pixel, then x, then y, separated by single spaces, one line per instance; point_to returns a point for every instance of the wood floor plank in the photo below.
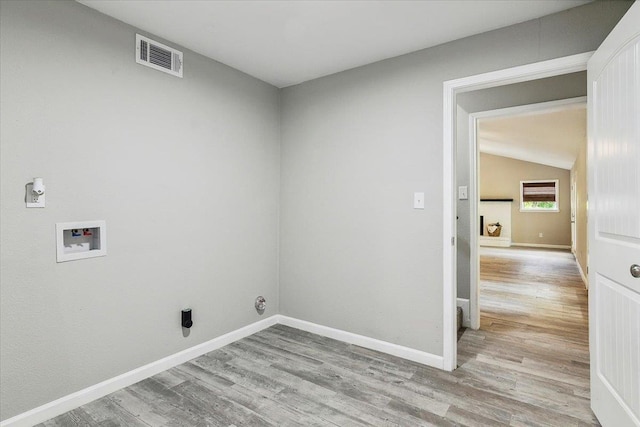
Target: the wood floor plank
pixel 528 365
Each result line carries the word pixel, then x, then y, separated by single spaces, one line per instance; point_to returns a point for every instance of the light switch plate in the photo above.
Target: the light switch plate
pixel 463 193
pixel 418 200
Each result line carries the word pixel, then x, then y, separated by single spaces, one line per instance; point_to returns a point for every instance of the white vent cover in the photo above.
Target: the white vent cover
pixel 159 56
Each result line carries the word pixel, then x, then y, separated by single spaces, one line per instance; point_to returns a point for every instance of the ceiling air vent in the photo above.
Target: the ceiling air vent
pixel 159 56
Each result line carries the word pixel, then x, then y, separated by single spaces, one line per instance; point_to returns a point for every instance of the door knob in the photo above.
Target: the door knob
pixel 635 270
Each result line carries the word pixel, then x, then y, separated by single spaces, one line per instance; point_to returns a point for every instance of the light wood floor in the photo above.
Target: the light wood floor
pixel 527 365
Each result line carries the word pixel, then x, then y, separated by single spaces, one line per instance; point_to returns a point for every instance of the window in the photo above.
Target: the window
pixel 539 196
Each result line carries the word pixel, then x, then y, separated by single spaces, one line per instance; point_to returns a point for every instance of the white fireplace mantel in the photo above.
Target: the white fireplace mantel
pixel 496 210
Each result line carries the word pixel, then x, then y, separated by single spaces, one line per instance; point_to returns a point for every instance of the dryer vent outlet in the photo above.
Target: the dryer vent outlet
pixel 261 304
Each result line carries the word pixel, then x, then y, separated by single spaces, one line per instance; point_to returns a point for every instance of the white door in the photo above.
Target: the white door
pixel 614 224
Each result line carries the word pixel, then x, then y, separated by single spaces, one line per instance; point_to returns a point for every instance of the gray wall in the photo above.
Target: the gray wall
pixel 543 90
pixel 184 171
pixel 356 145
pixel 99 127
pixel 463 208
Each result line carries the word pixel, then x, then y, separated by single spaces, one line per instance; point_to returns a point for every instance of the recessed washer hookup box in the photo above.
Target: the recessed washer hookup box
pixel 80 240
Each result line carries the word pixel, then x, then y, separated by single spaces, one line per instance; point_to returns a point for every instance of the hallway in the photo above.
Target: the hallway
pixel 533 344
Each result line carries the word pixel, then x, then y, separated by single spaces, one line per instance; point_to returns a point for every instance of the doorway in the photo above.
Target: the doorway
pixel 528 359
pixel 532 344
pixel 555 67
pixel 525 145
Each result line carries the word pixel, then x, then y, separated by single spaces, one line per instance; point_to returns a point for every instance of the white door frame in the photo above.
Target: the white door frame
pixel 474 184
pixel 538 70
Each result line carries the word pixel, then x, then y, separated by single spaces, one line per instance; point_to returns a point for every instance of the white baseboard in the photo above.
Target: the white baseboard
pixel 464 304
pixel 367 342
pixel 584 277
pixel 89 394
pixel 501 242
pixel 541 245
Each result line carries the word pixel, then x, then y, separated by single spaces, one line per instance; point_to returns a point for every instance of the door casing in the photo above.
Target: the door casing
pixel 523 73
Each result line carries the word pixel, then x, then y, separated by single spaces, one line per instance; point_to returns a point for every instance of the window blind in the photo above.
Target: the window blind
pixel 539 191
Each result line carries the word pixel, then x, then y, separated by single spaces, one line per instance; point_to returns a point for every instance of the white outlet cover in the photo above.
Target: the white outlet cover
pixel 31 203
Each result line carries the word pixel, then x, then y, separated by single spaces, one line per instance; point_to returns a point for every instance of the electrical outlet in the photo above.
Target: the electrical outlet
pixel 540 234
pixel 33 200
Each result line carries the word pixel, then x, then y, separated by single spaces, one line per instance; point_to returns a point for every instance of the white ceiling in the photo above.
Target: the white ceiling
pixel 289 42
pixel 551 138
